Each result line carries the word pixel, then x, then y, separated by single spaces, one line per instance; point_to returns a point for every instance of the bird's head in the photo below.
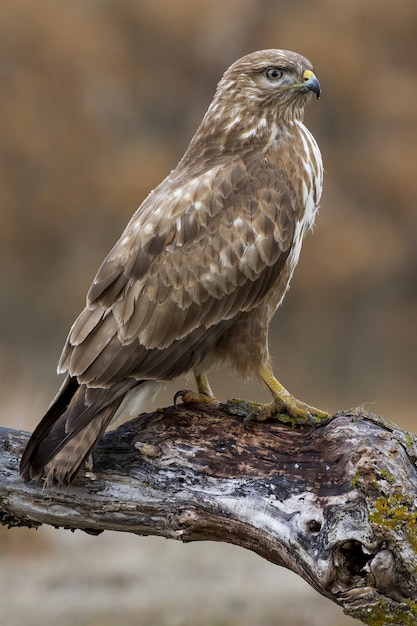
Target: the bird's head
pixel 278 81
pixel 256 94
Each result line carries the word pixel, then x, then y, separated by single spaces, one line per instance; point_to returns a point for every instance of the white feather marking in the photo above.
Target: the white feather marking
pixel 224 260
pixel 233 122
pixel 250 252
pixel 135 400
pixel 306 193
pixel 273 134
pixel 249 134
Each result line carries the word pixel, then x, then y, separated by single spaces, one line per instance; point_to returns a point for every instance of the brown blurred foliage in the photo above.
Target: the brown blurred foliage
pixel 98 100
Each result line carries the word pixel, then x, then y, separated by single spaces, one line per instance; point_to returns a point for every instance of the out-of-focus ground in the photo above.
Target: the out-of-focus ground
pixel 98 100
pixel 118 580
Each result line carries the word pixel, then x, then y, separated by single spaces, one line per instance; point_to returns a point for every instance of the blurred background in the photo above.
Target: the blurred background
pixel 98 101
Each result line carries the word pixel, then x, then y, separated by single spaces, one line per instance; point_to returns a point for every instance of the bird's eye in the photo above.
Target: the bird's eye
pixel 273 73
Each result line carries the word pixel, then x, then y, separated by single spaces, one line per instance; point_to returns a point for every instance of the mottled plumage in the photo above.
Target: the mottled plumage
pixel 201 267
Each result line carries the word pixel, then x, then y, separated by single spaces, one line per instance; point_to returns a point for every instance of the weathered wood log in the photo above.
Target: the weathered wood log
pixel 337 503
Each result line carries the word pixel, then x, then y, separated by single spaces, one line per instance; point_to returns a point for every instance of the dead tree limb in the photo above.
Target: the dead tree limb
pixel 337 504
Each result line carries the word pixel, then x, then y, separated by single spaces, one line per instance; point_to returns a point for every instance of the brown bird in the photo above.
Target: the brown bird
pixel 200 269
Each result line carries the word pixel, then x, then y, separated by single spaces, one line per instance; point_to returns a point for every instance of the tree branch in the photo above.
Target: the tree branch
pixel 336 503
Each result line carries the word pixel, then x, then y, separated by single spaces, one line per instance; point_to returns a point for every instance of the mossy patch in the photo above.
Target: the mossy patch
pixel 384 613
pixel 396 513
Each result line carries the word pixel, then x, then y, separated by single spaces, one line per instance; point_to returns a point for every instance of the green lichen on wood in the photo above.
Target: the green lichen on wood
pixel 356 478
pixel 395 513
pixel 385 475
pixel 410 441
pixel 385 613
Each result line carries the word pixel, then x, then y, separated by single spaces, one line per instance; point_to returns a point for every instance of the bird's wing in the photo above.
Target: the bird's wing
pixel 196 253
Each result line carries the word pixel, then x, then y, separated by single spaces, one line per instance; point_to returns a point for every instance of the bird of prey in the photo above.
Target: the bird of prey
pixel 199 270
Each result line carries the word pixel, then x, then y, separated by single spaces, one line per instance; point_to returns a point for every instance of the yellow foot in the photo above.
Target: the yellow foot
pixel 189 397
pixel 204 394
pixel 284 407
pixel 288 410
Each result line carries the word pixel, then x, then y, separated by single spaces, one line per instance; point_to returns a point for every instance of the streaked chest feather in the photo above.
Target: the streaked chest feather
pixel 309 170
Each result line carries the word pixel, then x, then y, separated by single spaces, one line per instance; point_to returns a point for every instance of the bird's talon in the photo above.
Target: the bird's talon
pixel 248 418
pixel 179 394
pixel 296 414
pixel 192 397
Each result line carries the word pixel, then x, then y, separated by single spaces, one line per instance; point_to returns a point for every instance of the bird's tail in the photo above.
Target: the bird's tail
pixel 74 422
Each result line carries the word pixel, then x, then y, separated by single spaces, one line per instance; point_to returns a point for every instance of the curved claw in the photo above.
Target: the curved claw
pixel 252 415
pixel 189 397
pixel 179 394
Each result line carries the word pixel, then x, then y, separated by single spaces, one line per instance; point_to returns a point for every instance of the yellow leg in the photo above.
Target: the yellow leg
pixel 285 403
pixel 203 395
pixel 203 385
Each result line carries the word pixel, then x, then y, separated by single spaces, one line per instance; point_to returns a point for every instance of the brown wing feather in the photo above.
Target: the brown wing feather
pixel 183 266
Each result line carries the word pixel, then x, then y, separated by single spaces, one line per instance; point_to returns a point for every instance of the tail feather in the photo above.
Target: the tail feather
pixel 58 407
pixel 63 466
pixel 69 430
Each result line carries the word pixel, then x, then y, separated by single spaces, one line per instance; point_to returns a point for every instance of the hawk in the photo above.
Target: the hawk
pixel 199 270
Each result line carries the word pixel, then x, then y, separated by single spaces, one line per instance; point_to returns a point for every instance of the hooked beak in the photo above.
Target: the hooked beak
pixel 310 83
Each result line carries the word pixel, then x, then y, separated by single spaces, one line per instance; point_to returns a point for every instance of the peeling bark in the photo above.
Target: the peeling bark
pixel 336 503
